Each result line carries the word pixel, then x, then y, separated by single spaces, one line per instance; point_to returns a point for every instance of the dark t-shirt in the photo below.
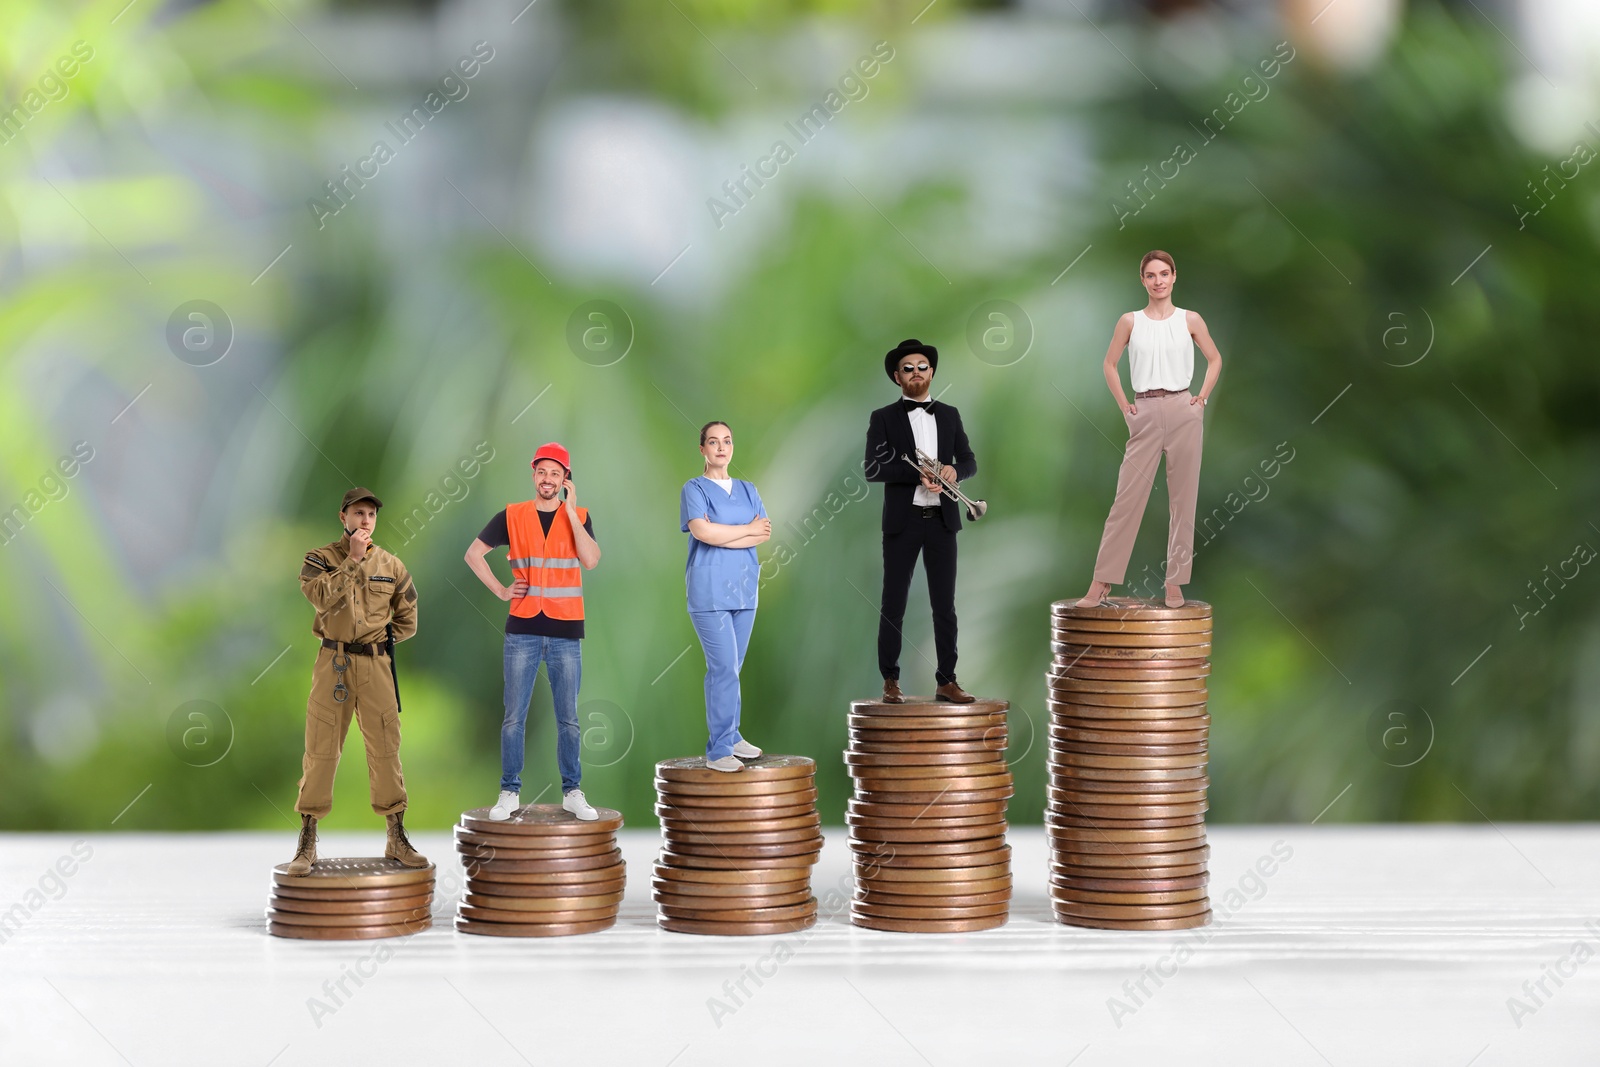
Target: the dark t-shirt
pixel 495 535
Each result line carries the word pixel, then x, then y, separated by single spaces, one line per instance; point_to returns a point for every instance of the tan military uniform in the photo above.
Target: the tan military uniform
pixel 354 602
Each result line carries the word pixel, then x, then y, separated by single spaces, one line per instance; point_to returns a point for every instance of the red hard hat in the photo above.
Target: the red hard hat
pixel 553 451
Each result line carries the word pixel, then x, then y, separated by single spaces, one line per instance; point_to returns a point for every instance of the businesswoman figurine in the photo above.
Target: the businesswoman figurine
pixel 1164 418
pixel 725 521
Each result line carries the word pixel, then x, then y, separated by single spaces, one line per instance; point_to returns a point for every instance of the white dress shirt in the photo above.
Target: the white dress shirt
pixel 925 432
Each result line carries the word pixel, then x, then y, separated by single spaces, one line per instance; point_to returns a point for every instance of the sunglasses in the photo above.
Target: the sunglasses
pixel 907 368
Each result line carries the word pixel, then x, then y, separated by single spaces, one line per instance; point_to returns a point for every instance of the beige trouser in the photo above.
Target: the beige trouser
pixel 370 696
pixel 1162 425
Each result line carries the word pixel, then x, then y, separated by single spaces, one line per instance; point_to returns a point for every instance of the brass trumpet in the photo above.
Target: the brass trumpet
pixel 929 468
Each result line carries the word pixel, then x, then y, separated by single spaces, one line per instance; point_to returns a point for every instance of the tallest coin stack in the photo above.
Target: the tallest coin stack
pixel 1128 740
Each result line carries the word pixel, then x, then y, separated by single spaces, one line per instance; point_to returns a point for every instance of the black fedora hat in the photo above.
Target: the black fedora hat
pixel 908 347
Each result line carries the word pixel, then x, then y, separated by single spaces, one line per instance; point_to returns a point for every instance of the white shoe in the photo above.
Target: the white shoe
pixel 745 750
pixel 505 807
pixel 575 803
pixel 725 763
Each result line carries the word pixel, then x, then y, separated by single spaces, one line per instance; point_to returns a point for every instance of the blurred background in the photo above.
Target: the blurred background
pixel 255 252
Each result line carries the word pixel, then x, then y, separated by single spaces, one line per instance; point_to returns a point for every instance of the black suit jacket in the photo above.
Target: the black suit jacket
pixel 889 438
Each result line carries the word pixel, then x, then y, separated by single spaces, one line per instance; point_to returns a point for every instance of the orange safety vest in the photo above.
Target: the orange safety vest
pixel 548 564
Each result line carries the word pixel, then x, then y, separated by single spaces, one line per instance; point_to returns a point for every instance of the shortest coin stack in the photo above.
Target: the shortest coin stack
pixel 737 847
pixel 351 900
pixel 541 873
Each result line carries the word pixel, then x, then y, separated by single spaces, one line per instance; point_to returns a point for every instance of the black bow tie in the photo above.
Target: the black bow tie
pixel 909 406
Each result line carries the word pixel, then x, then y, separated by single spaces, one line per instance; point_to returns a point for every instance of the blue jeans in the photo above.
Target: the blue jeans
pixel 725 637
pixel 563 659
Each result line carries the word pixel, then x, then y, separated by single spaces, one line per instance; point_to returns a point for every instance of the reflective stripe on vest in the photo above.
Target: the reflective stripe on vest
pixel 547 562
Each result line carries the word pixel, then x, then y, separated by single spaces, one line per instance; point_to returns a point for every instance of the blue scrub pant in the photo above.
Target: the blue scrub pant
pixel 563 660
pixel 724 637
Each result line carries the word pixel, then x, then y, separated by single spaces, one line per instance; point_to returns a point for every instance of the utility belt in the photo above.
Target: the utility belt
pixel 1148 393
pixel 355 647
pixel 931 512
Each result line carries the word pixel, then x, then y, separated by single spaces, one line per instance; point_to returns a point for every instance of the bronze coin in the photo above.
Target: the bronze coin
pixel 757 802
pixel 1068 684
pixel 763 768
pixel 499 929
pixel 1079 847
pixel 1076 816
pixel 1099 834
pixel 954 783
pixel 1070 872
pixel 891 911
pixel 1075 624
pixel 535 905
pixel 728 891
pixel 708 906
pixel 306 918
pixel 1074 776
pixel 808 909
pixel 929 773
pixel 928 706
pixel 485 873
pixel 989 735
pixel 366 872
pixel 1100 671
pixel 741 876
pixel 387 892
pixel 942 796
pixel 950 887
pixel 547 891
pixel 735 929
pixel 716 816
pixel 1148 792
pixel 891 748
pixel 473 913
pixel 803 846
pixel 542 819
pixel 1138 924
pixel 1065 798
pixel 1132 609
pixel 737 863
pixel 917 723
pixel 1096 748
pixel 348 933
pixel 352 907
pixel 901 900
pixel 1092 759
pixel 929 926
pixel 732 785
pixel 479 853
pixel 928 759
pixel 916 835
pixel 934 812
pixel 1174 731
pixel 809 821
pixel 1132 885
pixel 1175 896
pixel 1097 712
pixel 1128 700
pixel 475 867
pixel 905 822
pixel 952 862
pixel 770 837
pixel 863 850
pixel 555 847
pixel 1069 656
pixel 1127 912
pixel 1082 858
pixel 1108 641
pixel 885 875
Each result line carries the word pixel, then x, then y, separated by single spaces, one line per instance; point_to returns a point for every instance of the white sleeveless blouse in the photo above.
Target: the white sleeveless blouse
pixel 1161 352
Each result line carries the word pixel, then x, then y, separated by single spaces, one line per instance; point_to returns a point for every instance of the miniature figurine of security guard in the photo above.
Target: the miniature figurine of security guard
pixel 365 602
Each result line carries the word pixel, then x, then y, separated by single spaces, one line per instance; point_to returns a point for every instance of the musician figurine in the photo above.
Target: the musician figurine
pixel 920 510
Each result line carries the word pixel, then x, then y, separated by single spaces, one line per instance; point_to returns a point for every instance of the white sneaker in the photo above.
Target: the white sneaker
pixel 575 803
pixel 505 807
pixel 725 763
pixel 745 750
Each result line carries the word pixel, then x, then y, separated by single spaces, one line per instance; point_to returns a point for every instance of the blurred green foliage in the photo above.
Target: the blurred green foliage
pixel 1371 569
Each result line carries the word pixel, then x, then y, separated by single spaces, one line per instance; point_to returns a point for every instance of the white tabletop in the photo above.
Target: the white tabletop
pixel 1368 945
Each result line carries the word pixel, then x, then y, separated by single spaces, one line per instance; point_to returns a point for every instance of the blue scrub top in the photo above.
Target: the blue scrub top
pixel 717 578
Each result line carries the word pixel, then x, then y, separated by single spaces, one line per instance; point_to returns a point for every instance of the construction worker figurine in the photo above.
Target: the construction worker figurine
pixel 365 602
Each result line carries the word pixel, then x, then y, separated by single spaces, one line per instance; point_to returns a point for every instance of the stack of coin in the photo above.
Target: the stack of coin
pixel 1127 798
pixel 541 873
pixel 737 847
pixel 351 900
pixel 928 820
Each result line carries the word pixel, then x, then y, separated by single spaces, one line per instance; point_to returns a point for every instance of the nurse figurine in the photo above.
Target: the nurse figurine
pixel 725 521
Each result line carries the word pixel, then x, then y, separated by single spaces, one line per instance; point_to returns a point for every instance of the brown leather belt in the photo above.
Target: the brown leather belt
pixel 1148 393
pixel 354 647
